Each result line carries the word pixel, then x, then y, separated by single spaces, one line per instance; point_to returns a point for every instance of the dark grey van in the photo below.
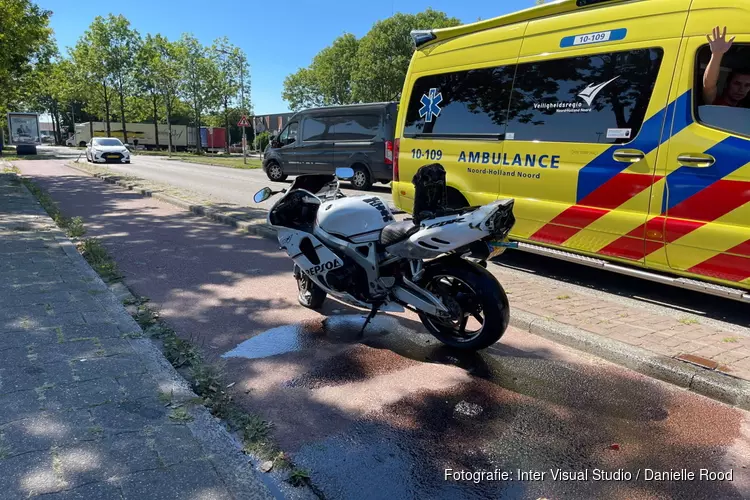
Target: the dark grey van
pixel 321 140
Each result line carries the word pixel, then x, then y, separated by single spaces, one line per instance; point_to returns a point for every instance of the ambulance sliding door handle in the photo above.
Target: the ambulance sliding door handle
pixel 697 160
pixel 628 155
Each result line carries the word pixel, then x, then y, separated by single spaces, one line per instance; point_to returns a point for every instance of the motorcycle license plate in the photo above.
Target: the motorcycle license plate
pixel 498 247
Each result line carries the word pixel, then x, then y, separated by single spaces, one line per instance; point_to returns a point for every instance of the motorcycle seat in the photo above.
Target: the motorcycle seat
pixel 397 232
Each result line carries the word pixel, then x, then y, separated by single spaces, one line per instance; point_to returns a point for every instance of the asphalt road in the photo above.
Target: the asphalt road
pixel 219 184
pixel 386 416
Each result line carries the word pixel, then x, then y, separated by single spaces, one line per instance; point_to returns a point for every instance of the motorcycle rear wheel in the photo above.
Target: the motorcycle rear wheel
pixel 478 304
pixel 309 294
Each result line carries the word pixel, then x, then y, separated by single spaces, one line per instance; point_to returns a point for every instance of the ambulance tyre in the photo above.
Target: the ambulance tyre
pixel 456 199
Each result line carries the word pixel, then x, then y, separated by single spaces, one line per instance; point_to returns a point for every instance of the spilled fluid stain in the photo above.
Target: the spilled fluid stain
pixel 311 334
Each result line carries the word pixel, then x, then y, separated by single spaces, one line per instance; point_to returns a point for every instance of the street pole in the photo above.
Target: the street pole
pixel 242 98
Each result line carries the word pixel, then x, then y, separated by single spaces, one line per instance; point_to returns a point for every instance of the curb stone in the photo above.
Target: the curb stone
pixel 715 385
pixel 237 470
pixel 708 383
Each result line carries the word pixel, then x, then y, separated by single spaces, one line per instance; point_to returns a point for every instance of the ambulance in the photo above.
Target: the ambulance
pixel 621 128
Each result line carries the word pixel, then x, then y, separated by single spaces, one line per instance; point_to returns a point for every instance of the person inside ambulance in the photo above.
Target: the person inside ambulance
pixel 737 86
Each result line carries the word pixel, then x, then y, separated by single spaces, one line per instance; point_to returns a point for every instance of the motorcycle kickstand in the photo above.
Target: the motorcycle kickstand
pixel 373 312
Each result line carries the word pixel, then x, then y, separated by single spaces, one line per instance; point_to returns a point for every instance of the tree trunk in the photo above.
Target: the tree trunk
pixel 168 106
pixel 106 111
pixel 122 116
pixel 56 123
pixel 226 116
pixel 156 119
pixel 198 145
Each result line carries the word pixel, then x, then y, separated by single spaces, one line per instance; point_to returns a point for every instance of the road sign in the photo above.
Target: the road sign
pixel 244 122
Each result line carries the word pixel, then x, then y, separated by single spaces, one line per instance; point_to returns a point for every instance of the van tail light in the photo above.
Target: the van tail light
pixel 394 154
pixel 388 152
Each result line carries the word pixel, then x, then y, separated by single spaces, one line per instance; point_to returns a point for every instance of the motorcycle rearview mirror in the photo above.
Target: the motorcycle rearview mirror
pixel 344 173
pixel 262 195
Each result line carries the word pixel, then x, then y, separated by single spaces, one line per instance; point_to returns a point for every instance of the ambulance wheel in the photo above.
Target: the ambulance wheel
pixel 309 294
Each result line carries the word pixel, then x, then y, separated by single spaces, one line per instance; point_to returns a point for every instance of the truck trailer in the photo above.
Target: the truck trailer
pixel 183 137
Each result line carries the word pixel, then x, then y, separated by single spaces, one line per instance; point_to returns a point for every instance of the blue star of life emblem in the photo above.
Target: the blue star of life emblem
pixel 431 105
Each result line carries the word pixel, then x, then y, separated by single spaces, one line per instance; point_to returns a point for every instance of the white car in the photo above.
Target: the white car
pixel 107 149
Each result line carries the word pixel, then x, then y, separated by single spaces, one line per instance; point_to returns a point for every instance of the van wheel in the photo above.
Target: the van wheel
pixel 361 179
pixel 82 144
pixel 275 173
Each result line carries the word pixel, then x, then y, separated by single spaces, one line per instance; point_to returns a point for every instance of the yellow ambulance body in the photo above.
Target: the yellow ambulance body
pixel 591 114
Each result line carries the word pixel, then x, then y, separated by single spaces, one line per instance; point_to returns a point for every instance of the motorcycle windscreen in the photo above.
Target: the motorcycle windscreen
pixel 315 183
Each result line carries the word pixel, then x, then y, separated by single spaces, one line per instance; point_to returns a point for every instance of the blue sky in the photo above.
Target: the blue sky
pixel 277 42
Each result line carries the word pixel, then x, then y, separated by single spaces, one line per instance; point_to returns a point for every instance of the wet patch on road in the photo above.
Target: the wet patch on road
pixel 396 405
pixel 311 334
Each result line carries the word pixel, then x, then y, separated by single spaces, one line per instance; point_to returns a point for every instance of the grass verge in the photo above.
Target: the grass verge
pixel 252 163
pixel 206 379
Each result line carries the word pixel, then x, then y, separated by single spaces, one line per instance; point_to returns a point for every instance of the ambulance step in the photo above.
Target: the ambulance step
pixel 686 283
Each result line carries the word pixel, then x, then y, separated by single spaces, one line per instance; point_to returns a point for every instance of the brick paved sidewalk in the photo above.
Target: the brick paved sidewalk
pixel 666 335
pixel 80 409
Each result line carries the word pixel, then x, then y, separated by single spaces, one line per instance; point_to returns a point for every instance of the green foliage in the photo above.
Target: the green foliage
pixel 25 43
pixel 366 70
pixel 98 258
pixel 328 80
pixel 263 139
pixel 386 50
pixel 200 78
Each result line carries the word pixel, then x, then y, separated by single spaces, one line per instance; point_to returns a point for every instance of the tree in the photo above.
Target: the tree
pixel 25 40
pixel 366 70
pixel 233 79
pixel 200 79
pixel 385 52
pixel 147 83
pixel 302 90
pixel 91 74
pixel 119 44
pixel 166 68
pixel 328 80
pixel 54 91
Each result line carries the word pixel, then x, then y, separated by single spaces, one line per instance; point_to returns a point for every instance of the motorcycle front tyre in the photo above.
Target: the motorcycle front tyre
pixel 309 294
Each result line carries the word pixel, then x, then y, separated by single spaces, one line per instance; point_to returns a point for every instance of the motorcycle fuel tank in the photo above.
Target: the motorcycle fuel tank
pixel 356 215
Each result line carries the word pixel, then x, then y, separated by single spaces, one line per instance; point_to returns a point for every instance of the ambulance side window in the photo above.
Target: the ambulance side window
pixel 599 98
pixel 467 104
pixel 730 111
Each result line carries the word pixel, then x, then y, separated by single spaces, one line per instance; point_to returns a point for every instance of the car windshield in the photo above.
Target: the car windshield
pixel 107 142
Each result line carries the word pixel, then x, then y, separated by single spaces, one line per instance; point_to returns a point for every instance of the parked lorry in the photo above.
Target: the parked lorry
pixel 183 137
pixel 24 132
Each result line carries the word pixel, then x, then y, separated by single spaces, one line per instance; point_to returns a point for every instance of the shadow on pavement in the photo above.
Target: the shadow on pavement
pixel 385 416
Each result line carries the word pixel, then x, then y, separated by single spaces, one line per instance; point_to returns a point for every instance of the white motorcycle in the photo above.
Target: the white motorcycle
pixel 435 264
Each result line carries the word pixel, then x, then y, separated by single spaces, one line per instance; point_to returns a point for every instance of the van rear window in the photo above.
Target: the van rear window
pixel 341 128
pixel 601 98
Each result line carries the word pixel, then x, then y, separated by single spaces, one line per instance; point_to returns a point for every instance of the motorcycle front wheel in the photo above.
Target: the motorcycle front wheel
pixel 479 307
pixel 309 294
